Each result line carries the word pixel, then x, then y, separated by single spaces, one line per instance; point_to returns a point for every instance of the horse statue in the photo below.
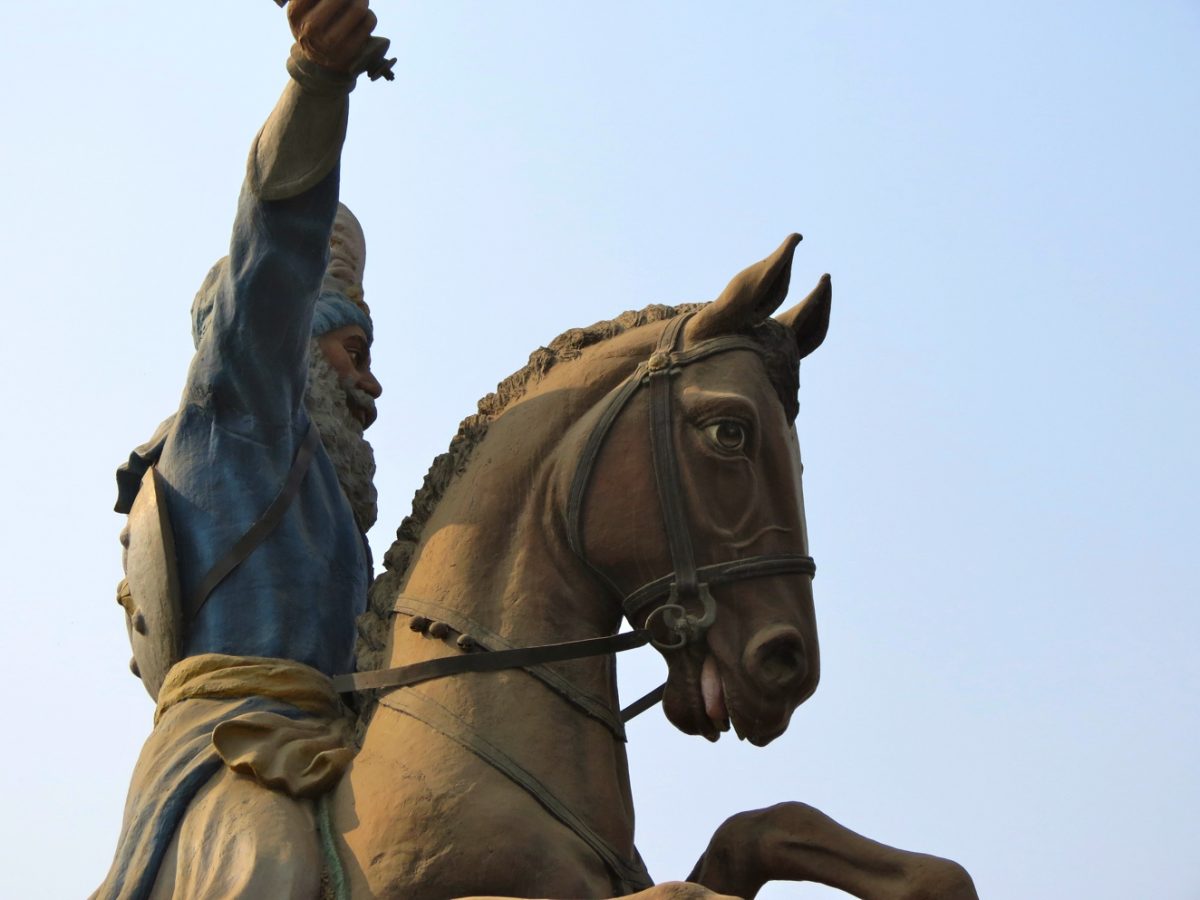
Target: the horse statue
pixel 646 467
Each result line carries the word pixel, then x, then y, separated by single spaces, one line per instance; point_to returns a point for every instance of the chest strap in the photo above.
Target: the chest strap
pixel 258 532
pixel 631 874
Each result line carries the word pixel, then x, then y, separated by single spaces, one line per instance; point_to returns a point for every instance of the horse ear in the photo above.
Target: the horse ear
pixel 809 319
pixel 751 296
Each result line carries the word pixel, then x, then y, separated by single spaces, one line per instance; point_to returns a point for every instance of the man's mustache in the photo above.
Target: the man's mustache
pixel 360 403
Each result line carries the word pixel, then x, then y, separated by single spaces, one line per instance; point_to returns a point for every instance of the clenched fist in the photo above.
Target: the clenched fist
pixel 331 33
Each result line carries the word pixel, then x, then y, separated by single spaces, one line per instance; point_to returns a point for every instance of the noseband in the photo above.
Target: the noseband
pixel 686 585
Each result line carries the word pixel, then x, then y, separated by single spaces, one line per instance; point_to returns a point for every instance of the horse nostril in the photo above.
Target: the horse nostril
pixel 780 659
pixel 776 659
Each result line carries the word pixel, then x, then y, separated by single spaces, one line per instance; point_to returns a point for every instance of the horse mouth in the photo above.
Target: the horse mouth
pixel 685 704
pixel 699 700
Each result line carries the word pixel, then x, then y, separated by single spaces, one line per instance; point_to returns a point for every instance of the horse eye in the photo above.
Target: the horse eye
pixel 728 435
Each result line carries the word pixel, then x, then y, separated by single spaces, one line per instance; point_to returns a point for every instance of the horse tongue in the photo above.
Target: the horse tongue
pixel 714 694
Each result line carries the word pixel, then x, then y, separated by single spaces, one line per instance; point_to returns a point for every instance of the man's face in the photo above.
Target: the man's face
pixel 340 399
pixel 348 352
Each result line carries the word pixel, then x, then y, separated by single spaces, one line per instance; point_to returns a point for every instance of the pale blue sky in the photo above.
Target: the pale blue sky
pixel 999 434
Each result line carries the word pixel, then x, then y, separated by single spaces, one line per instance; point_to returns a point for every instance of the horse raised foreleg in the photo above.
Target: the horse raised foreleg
pixel 795 842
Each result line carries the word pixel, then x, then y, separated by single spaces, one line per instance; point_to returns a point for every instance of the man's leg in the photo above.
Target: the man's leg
pixel 239 839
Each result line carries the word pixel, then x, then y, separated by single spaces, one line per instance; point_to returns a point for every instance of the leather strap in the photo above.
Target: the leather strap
pixel 632 874
pixel 723 573
pixel 588 703
pixel 616 402
pixel 489 661
pixel 259 531
pixel 666 464
pixel 643 703
pixel 618 397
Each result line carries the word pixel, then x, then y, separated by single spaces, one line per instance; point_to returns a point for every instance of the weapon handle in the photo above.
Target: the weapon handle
pixel 373 60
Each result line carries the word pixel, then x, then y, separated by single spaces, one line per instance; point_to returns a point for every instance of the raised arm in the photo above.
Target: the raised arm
pixel 253 316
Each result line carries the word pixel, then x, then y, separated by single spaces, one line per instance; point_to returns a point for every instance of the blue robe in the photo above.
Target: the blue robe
pixel 224 456
pixel 226 453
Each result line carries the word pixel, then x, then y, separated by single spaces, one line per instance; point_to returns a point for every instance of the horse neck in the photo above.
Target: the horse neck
pixel 495 553
pixel 495 549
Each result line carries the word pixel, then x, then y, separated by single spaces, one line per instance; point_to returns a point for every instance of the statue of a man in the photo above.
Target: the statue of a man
pixel 259 491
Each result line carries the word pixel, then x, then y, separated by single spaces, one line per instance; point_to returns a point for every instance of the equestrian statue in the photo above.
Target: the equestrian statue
pixel 453 730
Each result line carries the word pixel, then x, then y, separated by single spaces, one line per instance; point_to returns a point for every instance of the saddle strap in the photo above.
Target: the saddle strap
pixel 631 874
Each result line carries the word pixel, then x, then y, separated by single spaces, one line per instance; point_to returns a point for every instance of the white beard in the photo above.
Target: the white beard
pixel 328 401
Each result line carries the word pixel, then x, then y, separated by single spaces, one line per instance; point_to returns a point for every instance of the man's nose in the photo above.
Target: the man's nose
pixel 369 383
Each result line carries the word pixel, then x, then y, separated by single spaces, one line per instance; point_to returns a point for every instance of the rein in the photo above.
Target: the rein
pixel 492 661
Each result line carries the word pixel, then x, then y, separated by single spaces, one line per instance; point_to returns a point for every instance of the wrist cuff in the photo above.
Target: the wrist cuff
pixel 317 79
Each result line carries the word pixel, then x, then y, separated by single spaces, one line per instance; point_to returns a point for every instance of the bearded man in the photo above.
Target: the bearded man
pixel 246 559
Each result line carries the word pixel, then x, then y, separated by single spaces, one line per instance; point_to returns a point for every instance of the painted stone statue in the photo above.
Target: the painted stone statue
pixel 645 468
pixel 245 551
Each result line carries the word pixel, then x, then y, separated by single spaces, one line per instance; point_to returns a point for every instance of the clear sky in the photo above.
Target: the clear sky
pixel 999 434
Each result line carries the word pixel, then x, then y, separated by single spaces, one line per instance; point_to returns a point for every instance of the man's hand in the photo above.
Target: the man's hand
pixel 332 33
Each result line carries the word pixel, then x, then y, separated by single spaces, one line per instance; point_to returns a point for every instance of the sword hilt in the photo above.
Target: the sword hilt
pixel 374 60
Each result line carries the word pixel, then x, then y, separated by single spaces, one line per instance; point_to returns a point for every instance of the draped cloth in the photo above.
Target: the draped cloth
pixel 273 720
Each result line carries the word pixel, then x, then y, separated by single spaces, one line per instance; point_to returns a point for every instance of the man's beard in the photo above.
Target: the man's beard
pixel 328 402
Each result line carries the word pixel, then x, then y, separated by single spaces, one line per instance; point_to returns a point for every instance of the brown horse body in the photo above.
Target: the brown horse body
pixel 508 784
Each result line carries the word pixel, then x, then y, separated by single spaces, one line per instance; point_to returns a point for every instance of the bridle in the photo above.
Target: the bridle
pixel 686 584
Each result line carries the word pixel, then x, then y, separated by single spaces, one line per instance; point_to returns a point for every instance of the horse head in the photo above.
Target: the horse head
pixel 686 501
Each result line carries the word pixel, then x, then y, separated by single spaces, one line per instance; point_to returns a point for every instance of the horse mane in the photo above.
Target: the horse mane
pixel 374 624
